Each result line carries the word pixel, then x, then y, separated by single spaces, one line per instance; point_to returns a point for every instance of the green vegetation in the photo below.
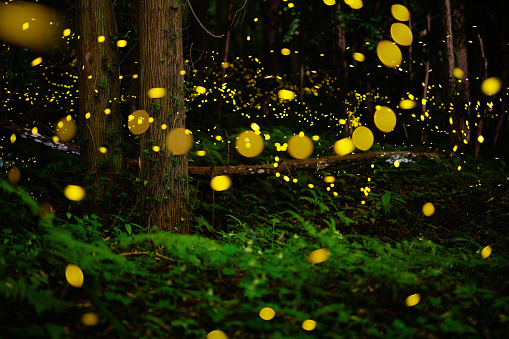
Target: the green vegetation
pixel 158 285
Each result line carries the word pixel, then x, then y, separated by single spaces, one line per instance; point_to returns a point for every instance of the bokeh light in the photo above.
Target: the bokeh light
pixel 74 275
pixel 65 129
pixel 412 300
pixel 486 252
pixel 300 146
pixel 309 325
pixel 389 53
pixel 267 313
pixel 179 141
pixel 285 94
pixel 138 122
pixel 428 209
pixel 344 146
pixel 74 192
pixel 217 334
pixel 249 144
pixel 14 175
pixel 156 93
pixel 400 12
pixel 363 138
pixel 359 57
pixel 319 256
pixel 491 86
pixel 220 183
pixel 401 34
pixel 90 319
pixel 385 119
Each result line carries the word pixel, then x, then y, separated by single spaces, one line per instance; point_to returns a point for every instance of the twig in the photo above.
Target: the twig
pixel 206 30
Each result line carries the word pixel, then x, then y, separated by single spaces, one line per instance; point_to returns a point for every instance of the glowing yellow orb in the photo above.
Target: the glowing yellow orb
pixel 249 144
pixel 318 256
pixel 428 209
pixel 267 313
pixel 285 94
pixel 329 179
pixel 74 192
pixel 413 300
pixel 285 51
pixel 300 146
pixel 309 325
pixel 201 153
pixel 74 275
pixel 407 104
pixel 329 2
pixel 121 43
pixel 389 54
pixel 66 129
pixel 103 149
pixel 66 32
pixel 400 12
pixel 401 34
pixel 225 64
pixel 217 334
pixel 90 319
pixel 355 4
pixel 458 73
pixel 491 86
pixel 200 90
pixel 486 252
pixel 362 138
pixel 101 38
pixel 36 61
pixel 156 93
pixel 385 119
pixel 396 164
pixel 14 175
pixel 179 141
pixel 359 57
pixel 480 139
pixel 220 183
pixel 138 122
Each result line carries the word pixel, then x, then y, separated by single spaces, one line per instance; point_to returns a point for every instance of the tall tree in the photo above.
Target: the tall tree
pixel 100 121
pixel 161 61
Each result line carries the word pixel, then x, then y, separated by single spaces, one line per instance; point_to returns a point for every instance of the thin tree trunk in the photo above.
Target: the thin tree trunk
pixel 165 194
pixel 98 85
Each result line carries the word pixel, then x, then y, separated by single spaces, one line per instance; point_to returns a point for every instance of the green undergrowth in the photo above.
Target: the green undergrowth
pixel 254 253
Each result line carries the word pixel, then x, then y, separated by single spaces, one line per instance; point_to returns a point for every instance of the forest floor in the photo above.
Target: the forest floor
pixel 387 269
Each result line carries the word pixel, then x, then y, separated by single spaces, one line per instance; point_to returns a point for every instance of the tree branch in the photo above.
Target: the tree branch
pixel 196 17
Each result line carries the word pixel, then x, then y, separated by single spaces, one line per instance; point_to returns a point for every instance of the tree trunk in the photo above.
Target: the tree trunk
pixel 462 99
pixel 164 196
pixel 98 85
pixel 447 53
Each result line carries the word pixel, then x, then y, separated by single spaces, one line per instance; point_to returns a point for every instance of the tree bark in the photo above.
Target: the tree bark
pixel 98 85
pixel 164 197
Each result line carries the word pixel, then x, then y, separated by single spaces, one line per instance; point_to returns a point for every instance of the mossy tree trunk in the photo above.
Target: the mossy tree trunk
pixel 165 190
pixel 99 91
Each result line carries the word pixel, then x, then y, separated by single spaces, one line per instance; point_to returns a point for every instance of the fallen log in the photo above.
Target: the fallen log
pixel 283 167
